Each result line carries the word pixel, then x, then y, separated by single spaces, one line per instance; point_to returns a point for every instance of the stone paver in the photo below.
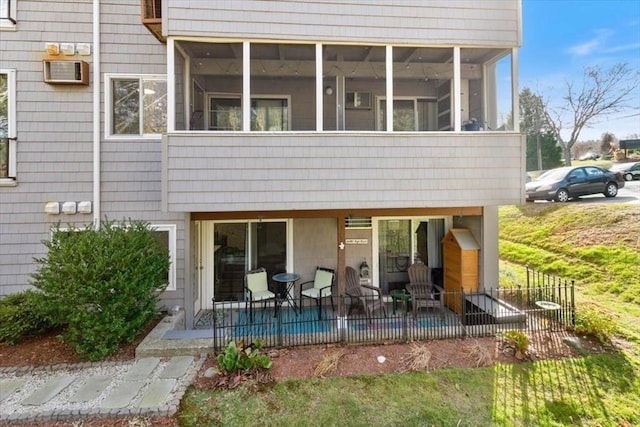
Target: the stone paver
pixel 8 387
pixel 177 367
pixel 52 387
pixel 149 386
pixel 142 369
pixel 92 388
pixel 157 393
pixel 123 395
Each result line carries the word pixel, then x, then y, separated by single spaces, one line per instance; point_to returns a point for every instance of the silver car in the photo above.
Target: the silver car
pixel 629 171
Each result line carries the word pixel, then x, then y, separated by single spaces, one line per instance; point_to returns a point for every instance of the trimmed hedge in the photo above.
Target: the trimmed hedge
pixel 104 284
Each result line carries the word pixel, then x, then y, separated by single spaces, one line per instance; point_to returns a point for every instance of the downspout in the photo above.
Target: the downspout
pixel 96 113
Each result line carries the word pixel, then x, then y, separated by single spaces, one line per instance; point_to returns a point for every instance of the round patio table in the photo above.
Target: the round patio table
pixel 285 283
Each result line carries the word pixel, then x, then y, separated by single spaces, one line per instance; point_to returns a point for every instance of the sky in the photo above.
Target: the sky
pixel 562 37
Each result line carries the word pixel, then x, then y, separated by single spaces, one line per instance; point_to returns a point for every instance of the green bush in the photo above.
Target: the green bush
pixel 518 339
pixel 594 321
pixel 237 357
pixel 23 315
pixel 103 284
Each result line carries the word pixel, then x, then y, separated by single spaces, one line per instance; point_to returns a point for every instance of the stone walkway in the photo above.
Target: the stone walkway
pixel 146 386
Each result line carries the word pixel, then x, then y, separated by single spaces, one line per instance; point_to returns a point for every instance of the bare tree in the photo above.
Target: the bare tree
pixel 602 93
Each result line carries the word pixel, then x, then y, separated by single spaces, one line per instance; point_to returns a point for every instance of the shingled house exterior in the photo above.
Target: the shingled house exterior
pixel 260 134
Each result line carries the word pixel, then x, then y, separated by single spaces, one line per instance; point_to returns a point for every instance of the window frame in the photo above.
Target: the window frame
pixel 254 98
pixel 8 22
pixel 381 111
pixel 171 229
pixel 108 112
pixel 11 126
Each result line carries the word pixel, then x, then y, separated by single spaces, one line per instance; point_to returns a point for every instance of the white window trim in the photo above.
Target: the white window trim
pixel 11 134
pixel 9 23
pixel 171 228
pixel 108 101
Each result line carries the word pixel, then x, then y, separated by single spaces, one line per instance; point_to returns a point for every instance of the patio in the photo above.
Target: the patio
pixel 483 314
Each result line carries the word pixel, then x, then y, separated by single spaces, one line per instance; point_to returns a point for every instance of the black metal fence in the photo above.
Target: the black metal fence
pixel 545 303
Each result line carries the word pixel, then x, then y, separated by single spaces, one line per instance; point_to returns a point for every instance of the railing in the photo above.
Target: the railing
pixel 530 309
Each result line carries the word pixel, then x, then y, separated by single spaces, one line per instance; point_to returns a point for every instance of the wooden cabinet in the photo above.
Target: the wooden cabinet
pixel 460 251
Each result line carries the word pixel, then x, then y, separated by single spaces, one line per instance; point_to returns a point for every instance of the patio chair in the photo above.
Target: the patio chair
pixel 422 290
pixel 257 289
pixel 368 298
pixel 318 288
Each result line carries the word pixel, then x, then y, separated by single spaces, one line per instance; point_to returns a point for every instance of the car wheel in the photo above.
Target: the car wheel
pixel 628 176
pixel 611 190
pixel 562 195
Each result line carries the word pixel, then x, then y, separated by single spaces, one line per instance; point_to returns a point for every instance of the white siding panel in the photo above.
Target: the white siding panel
pixel 342 171
pixel 490 22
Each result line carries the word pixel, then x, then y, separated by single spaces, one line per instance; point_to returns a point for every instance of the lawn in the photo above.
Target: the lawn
pixel 596 245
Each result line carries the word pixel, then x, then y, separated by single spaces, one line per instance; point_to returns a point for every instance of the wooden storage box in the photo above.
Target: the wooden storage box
pixel 460 251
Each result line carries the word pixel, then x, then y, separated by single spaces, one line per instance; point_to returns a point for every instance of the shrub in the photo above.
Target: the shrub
pixel 594 321
pixel 236 357
pixel 23 315
pixel 518 339
pixel 103 284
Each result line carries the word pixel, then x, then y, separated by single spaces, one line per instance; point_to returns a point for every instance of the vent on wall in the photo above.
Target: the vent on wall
pixel 66 72
pixel 358 222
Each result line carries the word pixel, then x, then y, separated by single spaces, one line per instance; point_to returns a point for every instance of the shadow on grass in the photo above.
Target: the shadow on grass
pixel 594 388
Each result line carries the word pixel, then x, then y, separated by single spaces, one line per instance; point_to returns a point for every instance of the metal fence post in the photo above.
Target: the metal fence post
pixel 404 309
pixel 463 312
pixel 215 326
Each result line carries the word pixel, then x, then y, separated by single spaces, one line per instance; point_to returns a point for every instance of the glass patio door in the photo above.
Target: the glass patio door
pixel 243 246
pixel 401 242
pixel 394 243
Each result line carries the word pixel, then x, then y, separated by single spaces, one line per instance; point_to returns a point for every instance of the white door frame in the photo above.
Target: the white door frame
pixel 375 241
pixel 207 251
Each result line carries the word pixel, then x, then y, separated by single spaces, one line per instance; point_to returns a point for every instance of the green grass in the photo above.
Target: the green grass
pixel 597 246
pixel 602 390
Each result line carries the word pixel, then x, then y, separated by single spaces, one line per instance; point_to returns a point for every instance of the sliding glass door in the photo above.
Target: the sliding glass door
pixel 242 246
pixel 402 242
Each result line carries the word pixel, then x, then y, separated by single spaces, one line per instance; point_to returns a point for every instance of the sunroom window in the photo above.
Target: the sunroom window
pixel 409 114
pixel 267 114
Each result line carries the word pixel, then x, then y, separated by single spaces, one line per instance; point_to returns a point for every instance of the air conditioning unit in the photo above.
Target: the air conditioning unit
pixel 66 72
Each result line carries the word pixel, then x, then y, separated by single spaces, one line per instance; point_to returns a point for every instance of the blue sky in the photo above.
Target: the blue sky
pixel 561 37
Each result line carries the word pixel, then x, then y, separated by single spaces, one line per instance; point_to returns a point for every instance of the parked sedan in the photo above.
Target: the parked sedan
pixel 569 182
pixel 629 171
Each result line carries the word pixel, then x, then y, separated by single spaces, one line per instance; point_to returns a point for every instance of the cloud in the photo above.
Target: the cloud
pixel 592 45
pixel 625 48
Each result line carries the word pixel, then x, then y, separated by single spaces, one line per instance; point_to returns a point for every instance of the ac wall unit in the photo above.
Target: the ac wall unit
pixel 355 100
pixel 66 72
